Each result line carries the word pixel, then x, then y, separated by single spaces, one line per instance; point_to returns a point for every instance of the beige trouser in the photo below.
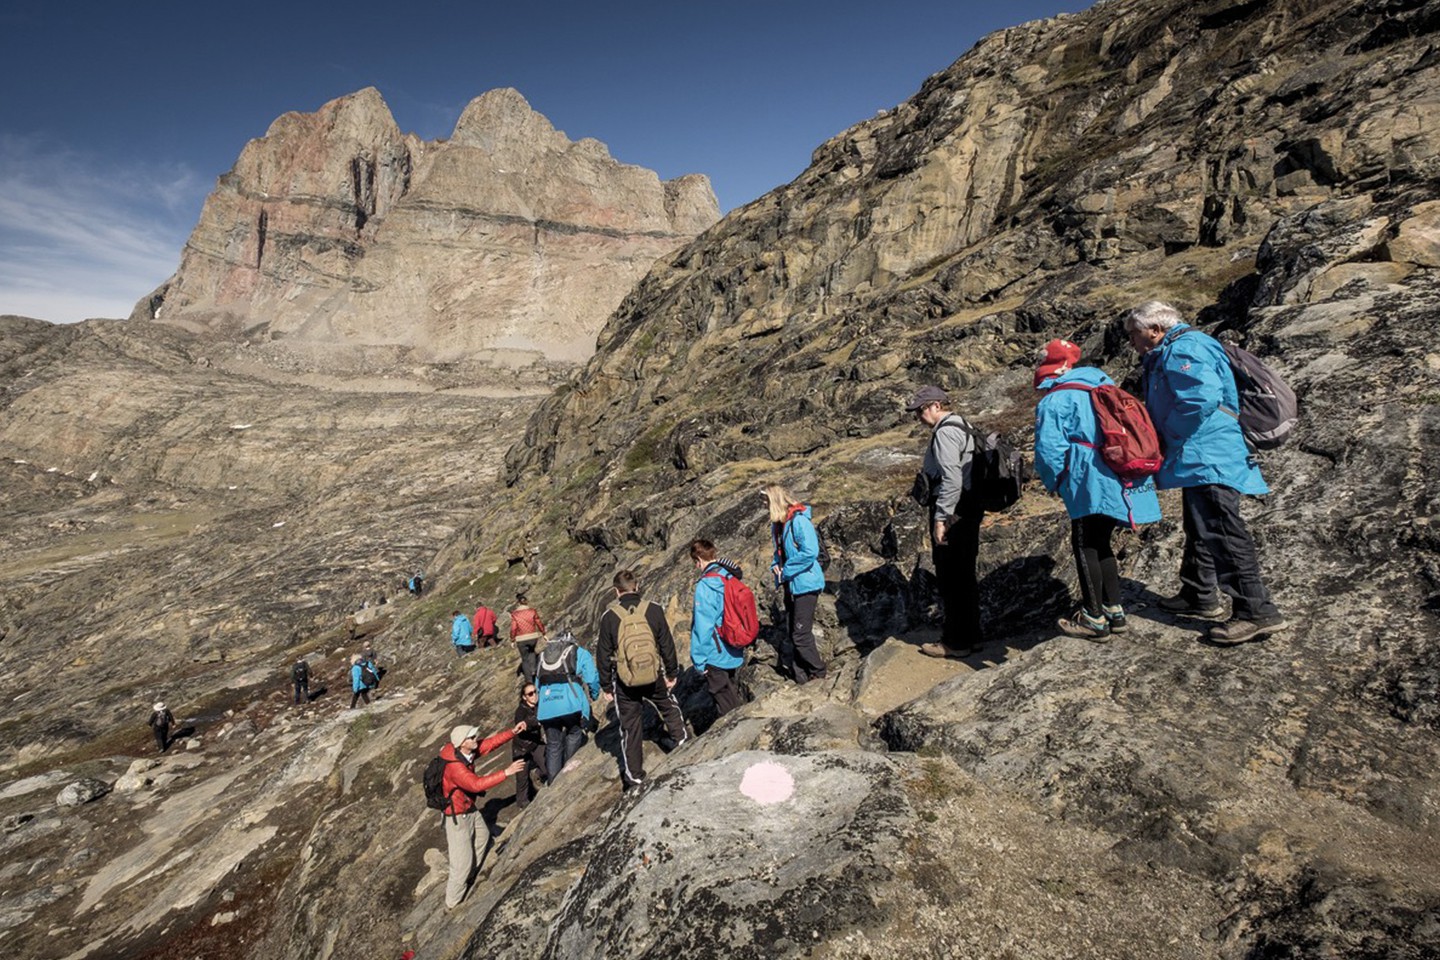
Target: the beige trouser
pixel 460 843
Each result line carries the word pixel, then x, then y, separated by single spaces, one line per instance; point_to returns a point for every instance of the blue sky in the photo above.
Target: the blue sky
pixel 115 119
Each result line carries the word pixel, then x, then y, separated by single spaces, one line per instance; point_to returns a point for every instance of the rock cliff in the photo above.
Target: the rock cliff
pixel 1268 167
pixel 507 239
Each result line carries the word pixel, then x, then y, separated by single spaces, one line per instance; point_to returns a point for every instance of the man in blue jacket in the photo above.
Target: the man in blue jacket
pixel 1191 396
pixel 713 658
pixel 461 634
pixel 564 673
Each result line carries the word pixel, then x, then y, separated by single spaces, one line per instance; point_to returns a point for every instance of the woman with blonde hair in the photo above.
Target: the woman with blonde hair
pixel 796 569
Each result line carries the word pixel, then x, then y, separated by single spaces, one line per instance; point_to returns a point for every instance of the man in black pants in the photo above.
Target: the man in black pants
pixel 636 658
pixel 954 523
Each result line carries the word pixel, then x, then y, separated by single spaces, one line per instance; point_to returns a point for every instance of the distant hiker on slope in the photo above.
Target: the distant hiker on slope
pixel 161 720
pixel 359 689
pixel 416 585
pixel 528 745
pixel 459 787
pixel 460 633
pixel 1191 394
pixel 526 632
pixel 1071 458
pixel 564 675
pixel 300 679
pixel 485 629
pixel 715 659
pixel 636 655
pixel 954 522
pixel 796 568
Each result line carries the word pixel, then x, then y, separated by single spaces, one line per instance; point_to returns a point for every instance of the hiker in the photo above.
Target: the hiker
pixel 300 678
pixel 526 630
pixel 796 569
pixel 636 654
pixel 370 671
pixel 564 673
pixel 713 658
pixel 528 745
pixel 359 689
pixel 416 585
pixel 460 633
pixel 461 786
pixel 954 523
pixel 1068 459
pixel 484 623
pixel 1191 394
pixel 161 720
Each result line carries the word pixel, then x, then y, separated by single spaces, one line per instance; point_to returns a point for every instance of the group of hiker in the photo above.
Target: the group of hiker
pixel 1102 450
pixel 635 663
pixel 1106 453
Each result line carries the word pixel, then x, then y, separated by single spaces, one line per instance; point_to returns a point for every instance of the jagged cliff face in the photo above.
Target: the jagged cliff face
pixel 335 228
pixel 1266 166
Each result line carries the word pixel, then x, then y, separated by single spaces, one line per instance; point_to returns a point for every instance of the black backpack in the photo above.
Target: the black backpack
pixel 557 665
pixel 998 473
pixel 434 781
pixel 368 675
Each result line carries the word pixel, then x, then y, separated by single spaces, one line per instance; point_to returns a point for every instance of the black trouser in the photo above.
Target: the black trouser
pixel 302 690
pixel 804 656
pixel 360 695
pixel 721 684
pixel 1095 562
pixel 630 707
pixel 1219 553
pixel 534 756
pixel 529 659
pixel 162 737
pixel 955 578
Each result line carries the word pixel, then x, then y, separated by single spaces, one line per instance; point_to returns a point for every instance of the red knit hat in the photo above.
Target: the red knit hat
pixel 1060 357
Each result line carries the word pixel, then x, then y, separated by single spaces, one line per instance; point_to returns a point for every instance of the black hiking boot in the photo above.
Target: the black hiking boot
pixel 1182 606
pixel 1234 632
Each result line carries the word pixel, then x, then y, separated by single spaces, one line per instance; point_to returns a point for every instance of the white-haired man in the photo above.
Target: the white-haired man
pixel 1191 395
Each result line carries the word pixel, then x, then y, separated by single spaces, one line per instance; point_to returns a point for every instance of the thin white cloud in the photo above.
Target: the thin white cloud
pixel 81 237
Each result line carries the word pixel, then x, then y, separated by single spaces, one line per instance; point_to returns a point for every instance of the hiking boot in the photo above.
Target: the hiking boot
pixel 1082 625
pixel 1116 616
pixel 1182 606
pixel 1239 631
pixel 939 650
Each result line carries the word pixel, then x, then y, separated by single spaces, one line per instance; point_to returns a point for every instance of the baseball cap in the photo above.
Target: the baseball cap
pixel 925 396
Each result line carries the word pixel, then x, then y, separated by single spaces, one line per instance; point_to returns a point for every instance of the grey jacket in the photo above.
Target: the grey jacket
pixel 947 464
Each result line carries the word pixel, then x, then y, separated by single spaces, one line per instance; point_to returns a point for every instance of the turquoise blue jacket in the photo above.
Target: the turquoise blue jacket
pixel 1191 395
pixel 797 554
pixel 357 678
pixel 706 647
pixel 461 633
pixel 1064 423
pixel 563 699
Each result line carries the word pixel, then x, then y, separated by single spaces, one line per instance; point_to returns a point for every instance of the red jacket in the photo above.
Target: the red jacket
pixel 484 622
pixel 525 623
pixel 461 781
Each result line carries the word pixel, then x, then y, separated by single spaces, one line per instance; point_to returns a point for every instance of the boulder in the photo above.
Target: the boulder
pixel 81 792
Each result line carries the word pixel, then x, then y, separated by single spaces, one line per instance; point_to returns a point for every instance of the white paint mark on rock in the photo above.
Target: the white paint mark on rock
pixel 767 783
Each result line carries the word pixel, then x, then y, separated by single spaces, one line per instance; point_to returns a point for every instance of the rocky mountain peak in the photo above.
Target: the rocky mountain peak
pixel 502 117
pixel 508 241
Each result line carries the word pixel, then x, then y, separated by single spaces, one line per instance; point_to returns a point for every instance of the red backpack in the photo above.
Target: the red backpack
pixel 1128 442
pixel 740 621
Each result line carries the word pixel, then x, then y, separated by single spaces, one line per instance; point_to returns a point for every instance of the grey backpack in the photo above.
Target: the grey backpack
pixel 1269 409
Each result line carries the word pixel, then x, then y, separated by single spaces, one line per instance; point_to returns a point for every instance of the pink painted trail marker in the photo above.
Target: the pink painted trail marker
pixel 767 783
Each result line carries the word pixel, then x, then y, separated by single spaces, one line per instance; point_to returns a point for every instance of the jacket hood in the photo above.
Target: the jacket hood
pixel 1089 376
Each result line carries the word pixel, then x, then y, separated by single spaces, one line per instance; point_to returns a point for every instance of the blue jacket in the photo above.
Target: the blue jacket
pixel 706 647
pixel 357 679
pixel 797 553
pixel 1064 418
pixel 461 634
pixel 1187 383
pixel 562 699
